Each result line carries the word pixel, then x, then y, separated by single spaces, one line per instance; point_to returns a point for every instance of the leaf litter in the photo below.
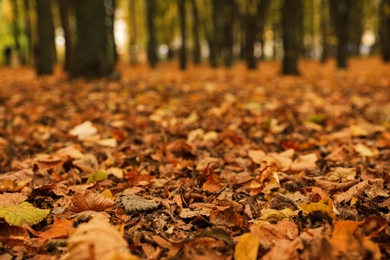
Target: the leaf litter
pixel 202 164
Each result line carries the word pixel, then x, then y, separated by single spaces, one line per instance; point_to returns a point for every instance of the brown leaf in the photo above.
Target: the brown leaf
pixel 136 203
pixel 11 199
pixel 90 200
pixel 97 239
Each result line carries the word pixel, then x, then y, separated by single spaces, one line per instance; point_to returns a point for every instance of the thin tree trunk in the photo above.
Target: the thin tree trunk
pixel 151 27
pixel 291 22
pixel 46 46
pixel 16 32
pixel 133 33
pixel 341 16
pixel 262 10
pixel 324 31
pixel 183 32
pixel 28 32
pixel 385 29
pixel 250 35
pixel 195 31
pixel 228 13
pixel 215 44
pixel 64 15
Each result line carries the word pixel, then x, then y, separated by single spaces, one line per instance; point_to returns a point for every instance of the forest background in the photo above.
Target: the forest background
pixel 86 34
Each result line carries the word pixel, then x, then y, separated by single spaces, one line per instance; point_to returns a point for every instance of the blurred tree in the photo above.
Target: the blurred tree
pixel 195 31
pixel 45 48
pixel 166 18
pixel 110 6
pixel 249 18
pixel 215 36
pixel 16 31
pixel 227 32
pixel 64 6
pixel 151 30
pixel 340 11
pixel 93 53
pixel 263 8
pixel 357 19
pixel 385 29
pixel 28 32
pixel 292 12
pixel 183 33
pixel 276 26
pixel 324 30
pixel 133 32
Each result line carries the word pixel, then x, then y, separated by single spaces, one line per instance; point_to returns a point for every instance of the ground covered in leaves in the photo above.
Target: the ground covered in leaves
pixel 203 164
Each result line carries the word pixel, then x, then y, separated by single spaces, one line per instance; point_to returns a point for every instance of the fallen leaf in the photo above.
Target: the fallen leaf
pixel 136 203
pixel 247 247
pixel 90 200
pixel 363 150
pixel 97 176
pixel 83 130
pixel 322 209
pixel 305 162
pixel 23 214
pixel 97 239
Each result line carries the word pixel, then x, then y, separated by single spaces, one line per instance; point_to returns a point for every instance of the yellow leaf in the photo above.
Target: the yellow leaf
pixel 24 213
pixel 276 215
pixel 365 151
pixel 322 209
pixel 107 193
pixel 117 172
pixel 247 247
pixel 97 176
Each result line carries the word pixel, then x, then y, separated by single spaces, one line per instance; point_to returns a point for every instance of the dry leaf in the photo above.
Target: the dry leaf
pixel 136 203
pixel 97 239
pixel 365 151
pixel 90 200
pixel 247 247
pixel 23 214
pixel 83 130
pixel 305 162
pixel 11 199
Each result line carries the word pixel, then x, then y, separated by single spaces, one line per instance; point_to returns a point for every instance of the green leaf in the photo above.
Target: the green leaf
pixel 24 213
pixel 97 176
pixel 318 119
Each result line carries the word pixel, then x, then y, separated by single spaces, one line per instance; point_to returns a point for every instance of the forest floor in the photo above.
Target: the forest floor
pixel 202 164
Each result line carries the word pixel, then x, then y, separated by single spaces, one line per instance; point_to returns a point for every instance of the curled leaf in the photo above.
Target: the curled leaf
pixel 136 203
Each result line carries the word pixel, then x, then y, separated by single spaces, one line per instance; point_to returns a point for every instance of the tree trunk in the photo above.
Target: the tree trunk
pixel 227 43
pixel 324 30
pixel 291 21
pixel 215 43
pixel 93 55
pixel 110 11
pixel 195 31
pixel 183 33
pixel 64 15
pixel 15 31
pixel 356 31
pixel 151 28
pixel 28 32
pixel 340 11
pixel 133 33
pixel 250 21
pixel 262 10
pixel 46 47
pixel 385 29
